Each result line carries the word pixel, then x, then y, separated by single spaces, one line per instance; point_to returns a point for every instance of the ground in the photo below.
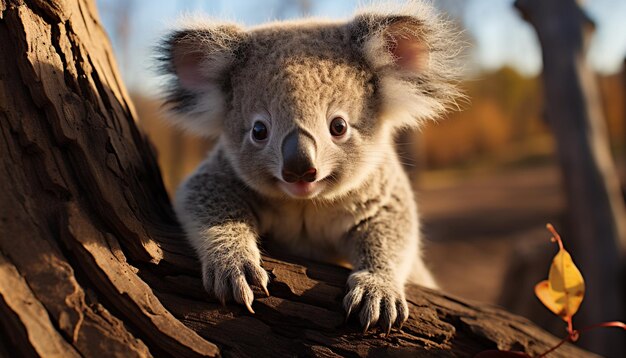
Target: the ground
pixel 474 223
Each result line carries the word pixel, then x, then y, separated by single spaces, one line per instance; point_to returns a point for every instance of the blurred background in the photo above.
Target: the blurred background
pixel 488 177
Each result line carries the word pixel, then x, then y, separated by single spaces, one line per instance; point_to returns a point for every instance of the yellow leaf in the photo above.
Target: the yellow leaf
pixel 566 284
pixel 542 292
pixel 563 292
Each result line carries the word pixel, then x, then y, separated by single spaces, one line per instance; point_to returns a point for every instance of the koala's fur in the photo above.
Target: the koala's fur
pixel 390 67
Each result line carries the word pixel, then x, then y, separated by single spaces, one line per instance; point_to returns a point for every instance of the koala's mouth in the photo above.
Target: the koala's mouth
pixel 302 189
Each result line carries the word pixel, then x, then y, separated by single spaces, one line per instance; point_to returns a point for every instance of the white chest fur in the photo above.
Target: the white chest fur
pixel 312 229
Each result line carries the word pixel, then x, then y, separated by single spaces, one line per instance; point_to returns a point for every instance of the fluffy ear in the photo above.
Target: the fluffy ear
pixel 412 49
pixel 199 57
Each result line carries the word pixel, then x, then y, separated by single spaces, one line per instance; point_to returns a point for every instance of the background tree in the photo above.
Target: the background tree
pixel 596 215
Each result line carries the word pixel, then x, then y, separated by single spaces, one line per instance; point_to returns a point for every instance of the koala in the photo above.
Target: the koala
pixel 304 115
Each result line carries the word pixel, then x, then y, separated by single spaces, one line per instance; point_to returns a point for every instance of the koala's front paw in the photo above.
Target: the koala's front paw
pixel 378 298
pixel 231 276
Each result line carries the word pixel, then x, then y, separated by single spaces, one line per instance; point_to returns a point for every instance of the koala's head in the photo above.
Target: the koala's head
pixel 308 109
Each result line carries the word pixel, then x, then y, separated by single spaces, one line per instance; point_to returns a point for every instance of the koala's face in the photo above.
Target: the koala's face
pixel 308 110
pixel 305 125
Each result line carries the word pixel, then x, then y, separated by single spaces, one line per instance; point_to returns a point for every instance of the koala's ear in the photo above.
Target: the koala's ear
pixel 412 49
pixel 199 59
pixel 394 42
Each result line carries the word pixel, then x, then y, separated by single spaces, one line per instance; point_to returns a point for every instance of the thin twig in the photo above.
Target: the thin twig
pixel 567 338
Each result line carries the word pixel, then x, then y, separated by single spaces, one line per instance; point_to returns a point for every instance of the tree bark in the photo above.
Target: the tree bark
pixel 92 261
pixel 596 223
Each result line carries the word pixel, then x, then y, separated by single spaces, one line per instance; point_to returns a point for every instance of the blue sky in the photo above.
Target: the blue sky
pixel 500 36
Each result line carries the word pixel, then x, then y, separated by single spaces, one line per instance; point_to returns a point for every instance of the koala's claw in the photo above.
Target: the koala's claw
pixel 352 300
pixel 233 280
pixel 367 326
pixel 389 314
pixel 379 301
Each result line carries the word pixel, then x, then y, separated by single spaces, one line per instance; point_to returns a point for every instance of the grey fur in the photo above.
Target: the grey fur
pixel 299 76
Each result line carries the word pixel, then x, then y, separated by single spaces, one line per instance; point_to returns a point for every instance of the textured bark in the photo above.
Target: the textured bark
pixel 92 262
pixel 596 224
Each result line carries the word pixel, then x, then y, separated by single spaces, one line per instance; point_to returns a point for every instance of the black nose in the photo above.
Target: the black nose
pixel 308 176
pixel 297 163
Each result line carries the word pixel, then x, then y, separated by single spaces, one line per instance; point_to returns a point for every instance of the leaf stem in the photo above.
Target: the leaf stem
pixel 555 235
pixel 570 326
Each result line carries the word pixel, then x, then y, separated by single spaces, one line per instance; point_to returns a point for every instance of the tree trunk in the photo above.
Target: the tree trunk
pixel 623 141
pixel 596 215
pixel 92 262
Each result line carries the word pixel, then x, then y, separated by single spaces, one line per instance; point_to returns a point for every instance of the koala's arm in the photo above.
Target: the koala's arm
pixel 214 209
pixel 384 253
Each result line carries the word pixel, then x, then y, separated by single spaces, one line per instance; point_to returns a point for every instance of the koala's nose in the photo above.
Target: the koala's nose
pixel 297 149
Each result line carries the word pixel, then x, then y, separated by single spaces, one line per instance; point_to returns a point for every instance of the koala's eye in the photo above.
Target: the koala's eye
pixel 259 131
pixel 338 127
